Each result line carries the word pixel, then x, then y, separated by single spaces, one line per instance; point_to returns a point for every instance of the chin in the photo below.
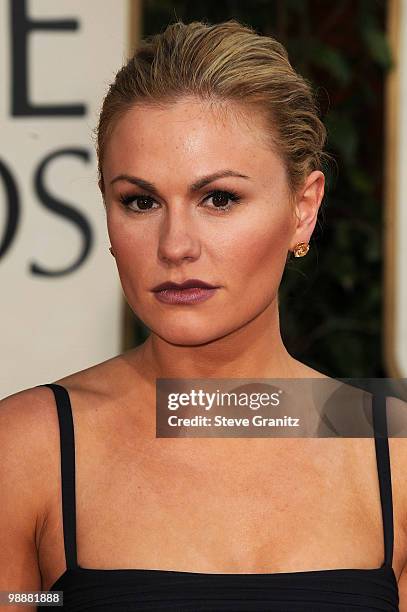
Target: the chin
pixel 185 335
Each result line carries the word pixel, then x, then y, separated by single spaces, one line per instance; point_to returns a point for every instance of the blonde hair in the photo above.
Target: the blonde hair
pixel 223 62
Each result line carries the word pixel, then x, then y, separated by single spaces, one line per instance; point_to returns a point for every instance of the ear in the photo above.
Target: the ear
pixel 307 204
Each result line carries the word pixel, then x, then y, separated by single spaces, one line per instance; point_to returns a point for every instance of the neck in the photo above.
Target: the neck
pixel 254 350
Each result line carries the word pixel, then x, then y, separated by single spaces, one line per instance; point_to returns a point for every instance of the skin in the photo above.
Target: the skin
pixel 236 332
pixel 226 505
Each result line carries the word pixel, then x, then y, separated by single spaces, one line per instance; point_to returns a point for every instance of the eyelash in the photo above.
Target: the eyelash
pixel 235 199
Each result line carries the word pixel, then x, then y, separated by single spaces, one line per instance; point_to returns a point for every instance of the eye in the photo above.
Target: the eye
pixel 144 202
pixel 219 196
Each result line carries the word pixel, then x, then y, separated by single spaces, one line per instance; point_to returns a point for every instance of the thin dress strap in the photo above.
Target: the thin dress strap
pixel 67 448
pixel 384 472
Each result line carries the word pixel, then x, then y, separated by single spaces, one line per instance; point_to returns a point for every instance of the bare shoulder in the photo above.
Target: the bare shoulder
pixel 27 422
pixel 29 431
pixel 24 422
pixel 396 411
pixel 27 415
pixel 27 425
pixel 108 378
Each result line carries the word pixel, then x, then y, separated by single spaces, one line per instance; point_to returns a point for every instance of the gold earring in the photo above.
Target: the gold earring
pixel 111 251
pixel 301 249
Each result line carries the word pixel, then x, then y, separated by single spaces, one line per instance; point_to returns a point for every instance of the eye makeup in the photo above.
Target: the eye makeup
pixel 128 200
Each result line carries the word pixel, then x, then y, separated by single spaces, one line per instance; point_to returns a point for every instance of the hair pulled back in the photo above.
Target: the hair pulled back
pixel 221 63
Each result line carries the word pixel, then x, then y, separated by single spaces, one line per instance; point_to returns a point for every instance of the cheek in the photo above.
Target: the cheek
pixel 123 229
pixel 134 250
pixel 258 249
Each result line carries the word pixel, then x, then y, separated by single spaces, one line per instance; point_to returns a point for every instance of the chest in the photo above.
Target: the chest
pixel 264 508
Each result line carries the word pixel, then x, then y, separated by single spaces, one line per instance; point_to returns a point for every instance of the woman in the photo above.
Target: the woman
pixel 210 151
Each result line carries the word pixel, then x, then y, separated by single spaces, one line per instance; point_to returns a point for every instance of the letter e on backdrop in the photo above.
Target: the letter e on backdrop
pixel 61 299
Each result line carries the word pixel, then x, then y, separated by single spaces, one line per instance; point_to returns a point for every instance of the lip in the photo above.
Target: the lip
pixel 191 295
pixel 186 284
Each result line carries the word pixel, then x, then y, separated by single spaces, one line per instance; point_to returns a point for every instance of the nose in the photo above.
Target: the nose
pixel 178 239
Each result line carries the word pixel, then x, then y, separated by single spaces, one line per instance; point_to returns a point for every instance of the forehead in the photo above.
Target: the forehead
pixel 189 135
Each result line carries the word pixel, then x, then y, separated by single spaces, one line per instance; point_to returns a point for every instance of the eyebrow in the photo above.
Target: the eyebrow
pixel 195 186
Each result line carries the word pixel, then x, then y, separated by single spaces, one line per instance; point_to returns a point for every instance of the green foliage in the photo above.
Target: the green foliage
pixel 330 300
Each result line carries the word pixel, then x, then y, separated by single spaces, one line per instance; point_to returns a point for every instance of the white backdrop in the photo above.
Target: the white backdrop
pixel 61 300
